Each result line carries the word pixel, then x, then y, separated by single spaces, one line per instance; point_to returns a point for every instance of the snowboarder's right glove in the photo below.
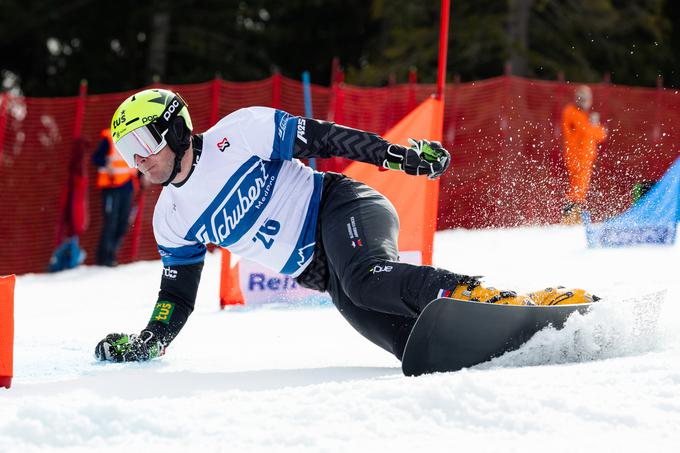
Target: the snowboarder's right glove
pixel 119 347
pixel 422 158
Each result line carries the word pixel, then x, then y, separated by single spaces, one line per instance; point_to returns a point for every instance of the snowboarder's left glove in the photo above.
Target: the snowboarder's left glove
pixel 119 347
pixel 422 158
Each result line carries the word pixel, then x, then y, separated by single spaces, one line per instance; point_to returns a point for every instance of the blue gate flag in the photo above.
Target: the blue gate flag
pixel 652 220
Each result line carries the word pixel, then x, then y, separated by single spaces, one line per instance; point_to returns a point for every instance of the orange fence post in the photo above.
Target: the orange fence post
pixel 137 229
pixel 80 110
pixel 605 110
pixel 215 99
pixel 337 101
pixel 74 194
pixel 4 99
pixel 658 122
pixel 6 329
pixel 412 80
pixel 276 90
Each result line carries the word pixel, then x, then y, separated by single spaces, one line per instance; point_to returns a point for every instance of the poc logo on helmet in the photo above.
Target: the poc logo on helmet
pixel 170 110
pixel 149 119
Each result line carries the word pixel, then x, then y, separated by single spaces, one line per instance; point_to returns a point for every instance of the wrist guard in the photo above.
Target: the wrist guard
pixel 422 158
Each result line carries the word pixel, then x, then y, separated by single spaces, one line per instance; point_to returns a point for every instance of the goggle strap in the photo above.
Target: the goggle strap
pixel 154 132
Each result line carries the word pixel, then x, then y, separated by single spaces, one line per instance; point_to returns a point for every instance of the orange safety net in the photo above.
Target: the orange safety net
pixel 503 133
pixel 506 142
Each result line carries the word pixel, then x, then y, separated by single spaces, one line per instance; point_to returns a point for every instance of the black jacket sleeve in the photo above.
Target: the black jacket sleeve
pixel 317 138
pixel 176 299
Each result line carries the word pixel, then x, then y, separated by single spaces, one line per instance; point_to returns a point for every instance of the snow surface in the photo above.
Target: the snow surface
pixel 303 380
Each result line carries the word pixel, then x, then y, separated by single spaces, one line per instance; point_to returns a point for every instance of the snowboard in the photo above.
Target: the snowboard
pixel 452 334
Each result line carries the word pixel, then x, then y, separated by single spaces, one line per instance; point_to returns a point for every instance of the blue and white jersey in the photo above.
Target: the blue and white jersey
pixel 246 193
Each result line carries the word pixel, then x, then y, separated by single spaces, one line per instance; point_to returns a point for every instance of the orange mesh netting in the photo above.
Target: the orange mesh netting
pixel 503 133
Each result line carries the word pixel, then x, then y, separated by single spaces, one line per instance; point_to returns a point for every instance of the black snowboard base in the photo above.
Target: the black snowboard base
pixel 451 334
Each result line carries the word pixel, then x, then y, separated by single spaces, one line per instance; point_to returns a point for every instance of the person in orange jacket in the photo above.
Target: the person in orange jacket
pixel 582 133
pixel 117 183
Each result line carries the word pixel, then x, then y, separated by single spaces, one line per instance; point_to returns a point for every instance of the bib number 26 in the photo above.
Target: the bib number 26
pixel 266 233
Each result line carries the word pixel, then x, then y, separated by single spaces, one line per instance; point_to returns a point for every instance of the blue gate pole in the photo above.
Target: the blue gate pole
pixel 307 90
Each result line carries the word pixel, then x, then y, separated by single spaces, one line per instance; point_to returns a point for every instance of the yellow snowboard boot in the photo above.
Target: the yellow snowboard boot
pixel 470 289
pixel 562 296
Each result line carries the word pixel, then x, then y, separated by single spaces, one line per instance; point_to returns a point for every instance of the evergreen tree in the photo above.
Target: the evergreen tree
pixel 48 47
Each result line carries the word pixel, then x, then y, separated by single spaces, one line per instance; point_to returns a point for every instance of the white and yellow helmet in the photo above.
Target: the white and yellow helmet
pixel 146 121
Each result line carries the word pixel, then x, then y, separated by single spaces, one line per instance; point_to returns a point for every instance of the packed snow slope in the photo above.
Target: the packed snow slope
pixel 302 379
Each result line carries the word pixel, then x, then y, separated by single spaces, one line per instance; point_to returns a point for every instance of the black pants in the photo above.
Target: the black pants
pixel 116 204
pixel 357 237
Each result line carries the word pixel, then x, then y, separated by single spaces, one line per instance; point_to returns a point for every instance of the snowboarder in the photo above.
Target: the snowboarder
pixel 241 186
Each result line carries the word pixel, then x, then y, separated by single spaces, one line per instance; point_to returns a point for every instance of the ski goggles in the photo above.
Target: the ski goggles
pixel 144 141
pixel 147 140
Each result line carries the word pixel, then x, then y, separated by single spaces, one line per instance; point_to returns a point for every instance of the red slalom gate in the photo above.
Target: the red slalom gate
pixel 6 330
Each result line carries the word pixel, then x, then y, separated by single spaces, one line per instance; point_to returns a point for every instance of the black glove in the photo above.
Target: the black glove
pixel 120 347
pixel 422 158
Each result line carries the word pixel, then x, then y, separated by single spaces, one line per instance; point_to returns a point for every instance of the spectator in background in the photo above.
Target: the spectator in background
pixel 117 182
pixel 582 133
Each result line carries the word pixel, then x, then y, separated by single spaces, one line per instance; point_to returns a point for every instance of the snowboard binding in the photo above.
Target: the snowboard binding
pixel 469 288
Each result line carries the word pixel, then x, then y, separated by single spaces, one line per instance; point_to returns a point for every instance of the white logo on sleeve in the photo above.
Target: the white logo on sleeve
pixel 301 130
pixel 170 273
pixel 377 268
